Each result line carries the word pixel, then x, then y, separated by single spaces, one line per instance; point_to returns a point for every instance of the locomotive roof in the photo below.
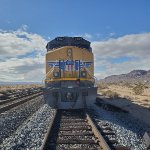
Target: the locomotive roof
pixel 68 41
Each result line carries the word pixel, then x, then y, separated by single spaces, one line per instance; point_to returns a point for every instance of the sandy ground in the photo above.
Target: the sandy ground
pixel 137 111
pixel 125 92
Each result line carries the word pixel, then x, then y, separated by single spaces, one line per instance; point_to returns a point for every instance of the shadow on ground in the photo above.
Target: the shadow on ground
pixel 129 115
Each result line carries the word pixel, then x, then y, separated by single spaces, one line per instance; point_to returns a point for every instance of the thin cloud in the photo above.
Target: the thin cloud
pixel 129 45
pixel 85 35
pixel 20 42
pixel 16 64
pixel 135 46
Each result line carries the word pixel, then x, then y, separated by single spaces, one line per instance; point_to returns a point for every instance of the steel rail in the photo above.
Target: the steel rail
pixel 48 131
pixel 96 132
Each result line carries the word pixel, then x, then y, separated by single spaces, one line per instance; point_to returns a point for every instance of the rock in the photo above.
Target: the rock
pixel 146 138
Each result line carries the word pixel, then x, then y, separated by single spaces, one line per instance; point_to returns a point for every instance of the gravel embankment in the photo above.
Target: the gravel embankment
pixel 129 131
pixel 30 136
pixel 12 119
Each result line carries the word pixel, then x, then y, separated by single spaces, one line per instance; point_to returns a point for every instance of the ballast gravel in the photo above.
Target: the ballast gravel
pixel 128 130
pixel 12 119
pixel 30 136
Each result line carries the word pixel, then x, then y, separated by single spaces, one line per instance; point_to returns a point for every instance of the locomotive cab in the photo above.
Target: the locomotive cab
pixel 69 80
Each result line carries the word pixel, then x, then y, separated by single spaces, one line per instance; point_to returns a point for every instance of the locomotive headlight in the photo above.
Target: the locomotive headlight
pixel 56 74
pixel 83 74
pixel 69 96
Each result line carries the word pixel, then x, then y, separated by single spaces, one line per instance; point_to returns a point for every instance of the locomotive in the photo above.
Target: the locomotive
pixel 69 79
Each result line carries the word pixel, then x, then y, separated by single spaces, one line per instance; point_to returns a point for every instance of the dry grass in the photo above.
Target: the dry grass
pixel 110 94
pixel 102 86
pixel 138 89
pixel 137 93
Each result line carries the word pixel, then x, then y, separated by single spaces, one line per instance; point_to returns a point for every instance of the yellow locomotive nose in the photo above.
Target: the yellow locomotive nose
pixel 69 72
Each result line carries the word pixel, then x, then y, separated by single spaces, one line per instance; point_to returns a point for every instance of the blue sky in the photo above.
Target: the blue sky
pixel 113 27
pixel 68 17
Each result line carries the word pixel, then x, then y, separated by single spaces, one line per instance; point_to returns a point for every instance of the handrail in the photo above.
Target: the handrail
pixel 51 69
pixel 95 79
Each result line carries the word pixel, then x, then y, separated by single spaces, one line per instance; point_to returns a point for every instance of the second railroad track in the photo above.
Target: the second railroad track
pixel 13 103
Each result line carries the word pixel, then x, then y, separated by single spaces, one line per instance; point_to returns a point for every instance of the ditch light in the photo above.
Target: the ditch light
pixel 56 74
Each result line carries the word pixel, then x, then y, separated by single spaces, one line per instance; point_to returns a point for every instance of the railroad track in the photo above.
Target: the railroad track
pixel 13 103
pixel 15 96
pixel 73 130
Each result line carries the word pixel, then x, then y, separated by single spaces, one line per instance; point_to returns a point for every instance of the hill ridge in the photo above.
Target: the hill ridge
pixel 132 76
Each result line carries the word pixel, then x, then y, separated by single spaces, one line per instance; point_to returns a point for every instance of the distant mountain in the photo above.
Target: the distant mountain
pixel 133 76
